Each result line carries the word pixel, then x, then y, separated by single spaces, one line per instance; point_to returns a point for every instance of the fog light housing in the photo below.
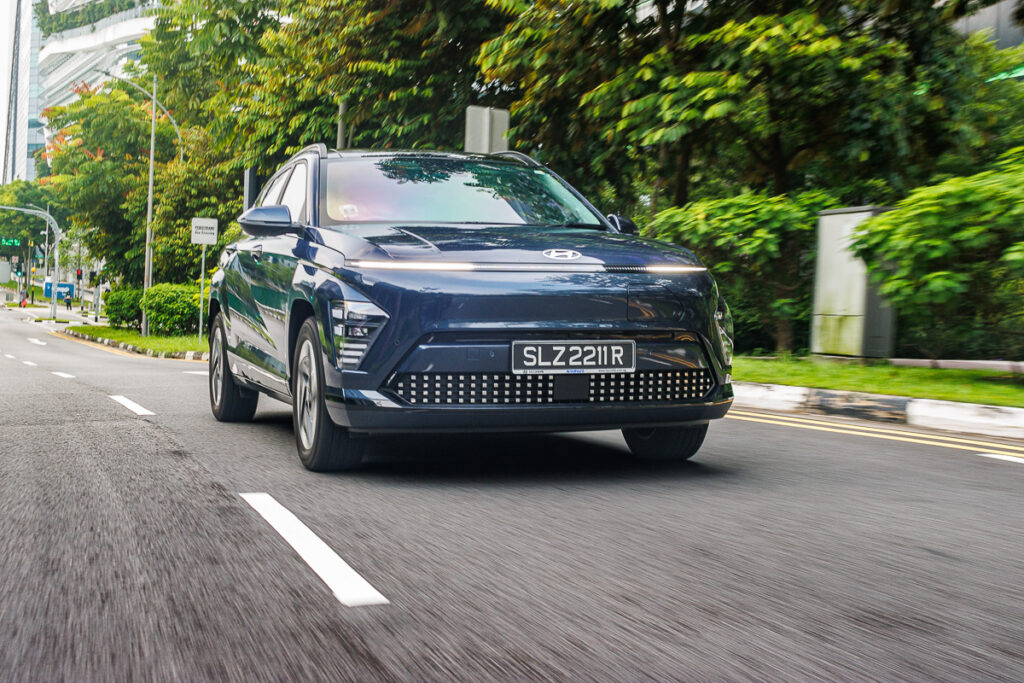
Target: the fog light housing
pixel 356 325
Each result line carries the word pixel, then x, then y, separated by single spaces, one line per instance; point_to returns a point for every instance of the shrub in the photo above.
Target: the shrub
pixel 761 250
pixel 171 309
pixel 123 308
pixel 950 260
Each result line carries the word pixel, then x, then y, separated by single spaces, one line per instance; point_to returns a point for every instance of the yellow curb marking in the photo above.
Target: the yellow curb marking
pixel 881 430
pixel 121 352
pixel 926 441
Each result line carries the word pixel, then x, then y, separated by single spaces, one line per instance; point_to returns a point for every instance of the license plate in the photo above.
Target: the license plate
pixel 572 358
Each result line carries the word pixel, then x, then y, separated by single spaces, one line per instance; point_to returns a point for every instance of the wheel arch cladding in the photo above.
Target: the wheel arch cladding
pixel 300 310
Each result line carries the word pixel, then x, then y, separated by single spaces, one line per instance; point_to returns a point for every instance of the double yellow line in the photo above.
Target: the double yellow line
pixel 973 445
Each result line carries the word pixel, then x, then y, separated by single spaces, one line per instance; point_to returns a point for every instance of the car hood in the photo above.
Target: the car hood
pixel 500 244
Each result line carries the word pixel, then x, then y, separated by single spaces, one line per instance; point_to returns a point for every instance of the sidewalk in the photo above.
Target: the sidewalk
pixel 946 415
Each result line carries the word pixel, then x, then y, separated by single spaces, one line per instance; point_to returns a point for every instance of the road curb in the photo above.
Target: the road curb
pixel 177 355
pixel 949 415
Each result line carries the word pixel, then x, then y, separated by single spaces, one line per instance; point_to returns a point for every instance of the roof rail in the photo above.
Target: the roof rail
pixel 513 154
pixel 319 147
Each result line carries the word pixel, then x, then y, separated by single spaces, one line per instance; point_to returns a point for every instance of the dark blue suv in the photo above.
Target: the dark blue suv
pixel 387 292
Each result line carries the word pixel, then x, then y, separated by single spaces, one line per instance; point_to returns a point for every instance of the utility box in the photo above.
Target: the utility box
pixel 486 130
pixel 5 272
pixel 849 316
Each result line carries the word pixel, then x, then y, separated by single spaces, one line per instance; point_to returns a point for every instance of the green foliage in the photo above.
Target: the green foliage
pixel 404 68
pixel 171 310
pixel 123 308
pixel 100 159
pixel 761 250
pixel 26 227
pixel 950 259
pixel 202 185
pixel 198 49
pixel 88 14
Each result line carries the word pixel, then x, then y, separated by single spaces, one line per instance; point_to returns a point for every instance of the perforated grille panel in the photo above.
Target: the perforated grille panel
pixel 506 388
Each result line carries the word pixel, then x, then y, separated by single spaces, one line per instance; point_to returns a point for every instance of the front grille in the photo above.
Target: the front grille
pixel 652 386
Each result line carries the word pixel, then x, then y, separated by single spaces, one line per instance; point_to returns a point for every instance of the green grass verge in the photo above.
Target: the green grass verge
pixel 156 344
pixel 970 386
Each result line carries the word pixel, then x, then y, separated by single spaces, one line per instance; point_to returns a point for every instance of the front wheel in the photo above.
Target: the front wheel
pixel 323 446
pixel 665 443
pixel 229 401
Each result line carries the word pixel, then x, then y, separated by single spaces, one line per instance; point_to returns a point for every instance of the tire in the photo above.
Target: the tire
pixel 665 443
pixel 323 446
pixel 229 400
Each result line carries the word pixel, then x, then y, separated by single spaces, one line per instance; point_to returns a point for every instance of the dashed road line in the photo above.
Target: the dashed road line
pixel 33 340
pixel 30 363
pixel 63 374
pixel 1000 456
pixel 132 406
pixel 204 373
pixel 7 355
pixel 348 586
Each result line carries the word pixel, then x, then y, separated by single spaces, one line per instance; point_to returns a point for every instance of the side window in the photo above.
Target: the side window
pixel 273 190
pixel 294 196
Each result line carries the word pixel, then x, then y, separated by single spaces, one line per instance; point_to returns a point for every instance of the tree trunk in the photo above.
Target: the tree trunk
pixel 783 335
pixel 681 192
pixel 659 178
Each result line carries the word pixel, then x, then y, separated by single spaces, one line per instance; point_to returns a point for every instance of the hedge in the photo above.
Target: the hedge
pixel 171 309
pixel 123 307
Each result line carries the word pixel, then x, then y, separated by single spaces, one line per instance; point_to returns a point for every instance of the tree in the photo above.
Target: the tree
pixel 403 68
pixel 760 249
pixel 100 157
pixel 199 186
pixel 25 228
pixel 198 48
pixel 950 260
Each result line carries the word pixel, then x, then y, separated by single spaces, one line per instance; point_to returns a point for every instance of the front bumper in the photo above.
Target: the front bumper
pixel 367 411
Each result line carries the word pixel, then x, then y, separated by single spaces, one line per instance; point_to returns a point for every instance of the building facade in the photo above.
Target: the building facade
pixel 44 69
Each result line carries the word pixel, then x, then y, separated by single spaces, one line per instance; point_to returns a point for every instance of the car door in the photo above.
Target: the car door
pixel 248 328
pixel 272 270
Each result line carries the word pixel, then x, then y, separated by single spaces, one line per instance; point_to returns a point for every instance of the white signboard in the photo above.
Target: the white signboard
pixel 204 231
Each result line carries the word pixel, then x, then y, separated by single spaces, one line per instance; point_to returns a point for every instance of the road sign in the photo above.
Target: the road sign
pixel 10 242
pixel 14 259
pixel 204 231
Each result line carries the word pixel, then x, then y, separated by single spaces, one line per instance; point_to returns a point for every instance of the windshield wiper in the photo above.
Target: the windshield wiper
pixel 589 226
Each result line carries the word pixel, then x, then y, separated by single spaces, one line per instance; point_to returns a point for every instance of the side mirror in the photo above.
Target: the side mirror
pixel 267 221
pixel 623 224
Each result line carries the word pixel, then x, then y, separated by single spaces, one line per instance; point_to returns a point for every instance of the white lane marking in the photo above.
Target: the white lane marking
pixel 7 355
pixel 132 406
pixel 999 456
pixel 30 363
pixel 351 589
pixel 63 374
pixel 204 373
pixel 33 340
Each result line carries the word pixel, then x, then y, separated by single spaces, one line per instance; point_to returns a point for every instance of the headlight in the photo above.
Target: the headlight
pixel 356 325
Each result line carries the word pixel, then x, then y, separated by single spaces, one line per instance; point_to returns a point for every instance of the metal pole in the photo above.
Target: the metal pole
pixel 202 289
pixel 341 125
pixel 55 282
pixel 147 281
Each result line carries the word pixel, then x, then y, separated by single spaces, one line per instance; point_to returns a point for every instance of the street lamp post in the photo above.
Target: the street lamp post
pixel 57 234
pixel 147 278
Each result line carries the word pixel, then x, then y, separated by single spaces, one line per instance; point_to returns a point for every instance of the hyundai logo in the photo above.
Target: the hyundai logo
pixel 562 254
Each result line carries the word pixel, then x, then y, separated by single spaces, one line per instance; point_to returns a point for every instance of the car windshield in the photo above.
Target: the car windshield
pixel 437 189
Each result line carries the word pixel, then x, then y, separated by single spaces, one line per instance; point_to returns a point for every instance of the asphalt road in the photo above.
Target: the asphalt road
pixel 789 548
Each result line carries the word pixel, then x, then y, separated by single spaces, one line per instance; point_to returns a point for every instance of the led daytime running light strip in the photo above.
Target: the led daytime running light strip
pixel 514 267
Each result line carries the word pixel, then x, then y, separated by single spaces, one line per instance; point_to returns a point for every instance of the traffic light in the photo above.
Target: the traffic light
pixel 79 273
